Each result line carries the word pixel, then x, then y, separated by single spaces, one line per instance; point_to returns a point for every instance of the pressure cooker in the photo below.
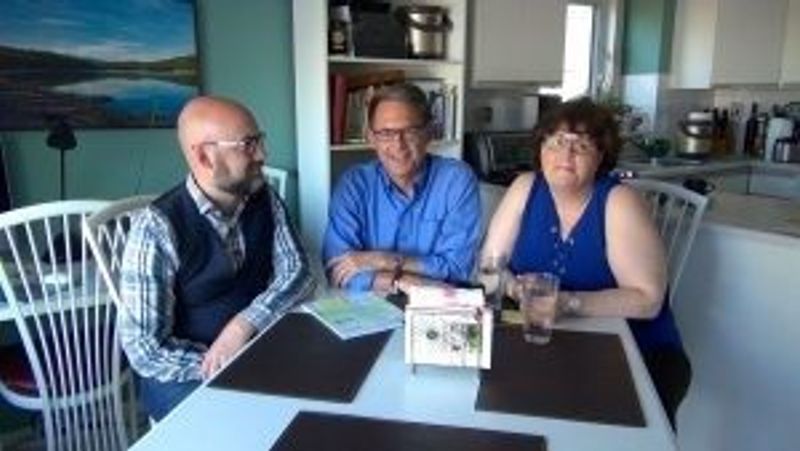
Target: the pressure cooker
pixel 426 30
pixel 695 134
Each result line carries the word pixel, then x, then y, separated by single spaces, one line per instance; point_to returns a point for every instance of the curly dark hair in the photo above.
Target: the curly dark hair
pixel 587 117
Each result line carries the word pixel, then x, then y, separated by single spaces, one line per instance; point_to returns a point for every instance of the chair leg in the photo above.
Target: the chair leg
pixel 133 413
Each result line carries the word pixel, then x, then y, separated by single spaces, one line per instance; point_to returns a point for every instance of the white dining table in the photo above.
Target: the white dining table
pixel 221 419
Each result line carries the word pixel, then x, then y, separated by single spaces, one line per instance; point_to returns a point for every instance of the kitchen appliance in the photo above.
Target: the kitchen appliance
pixel 787 150
pixel 695 134
pixel 426 28
pixel 779 127
pixel 498 157
pixel 377 33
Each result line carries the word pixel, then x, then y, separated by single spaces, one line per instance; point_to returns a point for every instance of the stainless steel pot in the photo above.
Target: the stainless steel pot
pixel 427 28
pixel 695 134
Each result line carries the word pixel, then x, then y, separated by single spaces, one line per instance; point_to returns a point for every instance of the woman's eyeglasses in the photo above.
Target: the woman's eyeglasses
pixel 578 143
pixel 409 134
pixel 249 144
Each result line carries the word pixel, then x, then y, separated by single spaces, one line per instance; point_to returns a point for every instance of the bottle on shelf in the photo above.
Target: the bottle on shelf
pixel 716 132
pixel 340 35
pixel 751 131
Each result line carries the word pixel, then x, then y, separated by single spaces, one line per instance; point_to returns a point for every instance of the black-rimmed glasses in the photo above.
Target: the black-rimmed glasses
pixel 409 134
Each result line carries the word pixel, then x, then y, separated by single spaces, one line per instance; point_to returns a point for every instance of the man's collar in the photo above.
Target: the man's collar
pixel 205 205
pixel 420 178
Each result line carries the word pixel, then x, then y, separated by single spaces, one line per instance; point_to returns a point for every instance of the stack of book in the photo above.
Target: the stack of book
pixel 349 98
pixel 350 95
pixel 442 103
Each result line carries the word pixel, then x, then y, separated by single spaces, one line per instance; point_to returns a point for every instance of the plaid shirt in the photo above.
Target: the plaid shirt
pixel 149 266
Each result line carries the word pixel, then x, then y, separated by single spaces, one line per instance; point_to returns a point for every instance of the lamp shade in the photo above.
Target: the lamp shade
pixel 61 136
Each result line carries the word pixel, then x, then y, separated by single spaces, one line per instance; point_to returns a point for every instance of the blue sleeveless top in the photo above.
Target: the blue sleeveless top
pixel 580 259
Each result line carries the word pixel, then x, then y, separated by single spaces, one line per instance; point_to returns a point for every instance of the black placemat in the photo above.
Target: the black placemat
pixel 299 357
pixel 312 431
pixel 578 376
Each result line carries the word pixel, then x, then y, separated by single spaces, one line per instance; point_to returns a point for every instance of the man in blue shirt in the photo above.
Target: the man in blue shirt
pixel 406 217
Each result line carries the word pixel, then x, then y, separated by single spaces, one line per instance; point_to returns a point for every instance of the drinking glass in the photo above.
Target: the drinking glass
pixel 492 274
pixel 538 301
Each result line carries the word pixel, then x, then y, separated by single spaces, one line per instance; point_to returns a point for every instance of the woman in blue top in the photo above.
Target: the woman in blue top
pixel 571 218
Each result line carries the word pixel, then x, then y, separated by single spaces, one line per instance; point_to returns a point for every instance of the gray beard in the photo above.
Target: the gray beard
pixel 242 188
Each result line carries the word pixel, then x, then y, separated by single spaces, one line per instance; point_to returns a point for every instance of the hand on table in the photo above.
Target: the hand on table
pixel 235 334
pixel 347 265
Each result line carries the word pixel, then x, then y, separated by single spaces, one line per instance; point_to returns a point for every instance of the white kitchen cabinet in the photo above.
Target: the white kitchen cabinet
pixel 727 42
pixel 783 186
pixel 518 41
pixel 790 70
pixel 731 182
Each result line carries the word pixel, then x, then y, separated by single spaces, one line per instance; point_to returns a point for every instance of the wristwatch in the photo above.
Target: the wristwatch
pixel 397 273
pixel 572 305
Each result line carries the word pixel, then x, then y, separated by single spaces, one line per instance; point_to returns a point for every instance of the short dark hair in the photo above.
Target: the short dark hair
pixel 401 92
pixel 582 116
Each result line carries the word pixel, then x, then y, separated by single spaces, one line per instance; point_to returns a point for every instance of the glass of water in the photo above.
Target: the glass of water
pixel 538 302
pixel 492 274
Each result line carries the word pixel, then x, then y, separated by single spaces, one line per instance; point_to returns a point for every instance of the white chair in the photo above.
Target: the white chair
pixel 677 212
pixel 107 232
pixel 66 326
pixel 276 179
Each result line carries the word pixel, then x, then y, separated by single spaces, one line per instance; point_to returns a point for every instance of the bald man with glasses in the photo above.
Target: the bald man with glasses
pixel 406 217
pixel 209 263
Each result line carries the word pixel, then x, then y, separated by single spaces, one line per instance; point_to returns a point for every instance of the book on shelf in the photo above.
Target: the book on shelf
pixel 353 314
pixel 442 103
pixel 350 94
pixel 338 99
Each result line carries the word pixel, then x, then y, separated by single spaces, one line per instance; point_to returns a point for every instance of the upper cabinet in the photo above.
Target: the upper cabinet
pixel 517 41
pixel 725 42
pixel 790 72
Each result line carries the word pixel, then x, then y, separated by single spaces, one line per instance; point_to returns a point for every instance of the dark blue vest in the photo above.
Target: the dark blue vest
pixel 208 291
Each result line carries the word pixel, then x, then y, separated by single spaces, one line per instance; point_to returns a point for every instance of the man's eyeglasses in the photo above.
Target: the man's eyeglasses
pixel 409 134
pixel 249 144
pixel 578 143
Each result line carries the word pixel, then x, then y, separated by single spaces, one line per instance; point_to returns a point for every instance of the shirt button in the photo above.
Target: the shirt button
pixel 553 229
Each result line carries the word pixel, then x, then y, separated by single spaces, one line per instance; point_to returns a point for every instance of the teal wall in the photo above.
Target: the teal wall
pixel 647 37
pixel 245 52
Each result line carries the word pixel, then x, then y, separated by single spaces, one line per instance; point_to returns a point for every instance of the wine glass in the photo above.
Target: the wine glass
pixel 492 272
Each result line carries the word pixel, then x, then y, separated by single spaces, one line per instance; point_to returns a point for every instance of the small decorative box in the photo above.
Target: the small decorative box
pixel 446 326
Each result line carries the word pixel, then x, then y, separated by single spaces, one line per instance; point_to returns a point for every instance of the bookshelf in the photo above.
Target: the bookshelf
pixel 320 162
pixel 392 62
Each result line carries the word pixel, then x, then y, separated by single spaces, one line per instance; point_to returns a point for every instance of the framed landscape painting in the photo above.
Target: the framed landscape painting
pixel 96 63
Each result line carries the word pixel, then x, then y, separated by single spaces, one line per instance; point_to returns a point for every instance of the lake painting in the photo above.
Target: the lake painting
pixel 96 63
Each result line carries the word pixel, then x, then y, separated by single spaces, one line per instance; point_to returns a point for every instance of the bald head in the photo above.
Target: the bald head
pixel 210 118
pixel 210 130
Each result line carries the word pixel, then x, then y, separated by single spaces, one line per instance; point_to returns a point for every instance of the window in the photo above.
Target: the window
pixel 579 48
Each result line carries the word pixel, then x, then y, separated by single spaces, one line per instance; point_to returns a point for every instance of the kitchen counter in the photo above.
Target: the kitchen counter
pixel 759 214
pixel 748 209
pixel 677 168
pixel 748 213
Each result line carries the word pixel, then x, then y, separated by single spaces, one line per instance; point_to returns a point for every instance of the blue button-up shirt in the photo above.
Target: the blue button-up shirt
pixel 439 225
